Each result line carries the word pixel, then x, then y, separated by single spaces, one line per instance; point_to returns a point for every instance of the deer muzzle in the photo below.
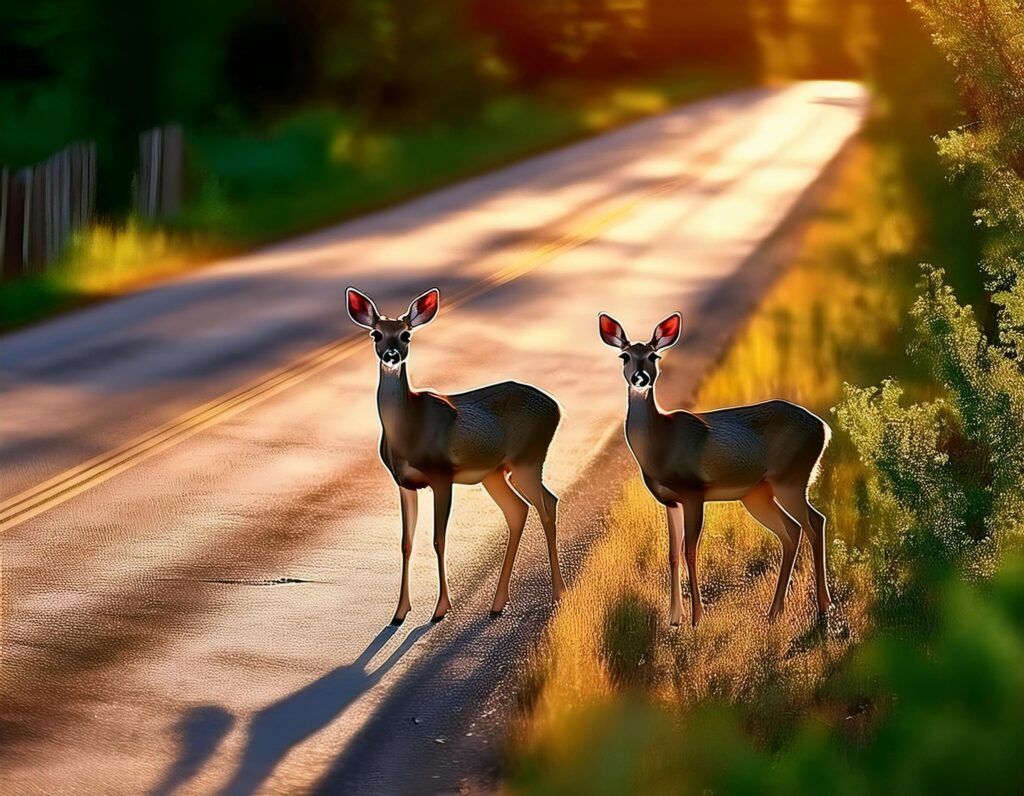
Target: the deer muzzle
pixel 640 379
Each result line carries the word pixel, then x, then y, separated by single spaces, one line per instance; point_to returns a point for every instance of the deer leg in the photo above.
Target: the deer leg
pixel 817 522
pixel 794 500
pixel 442 509
pixel 410 502
pixel 693 515
pixel 763 508
pixel 527 481
pixel 515 510
pixel 675 554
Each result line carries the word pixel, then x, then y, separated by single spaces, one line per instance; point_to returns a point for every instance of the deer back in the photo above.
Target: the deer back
pixel 503 422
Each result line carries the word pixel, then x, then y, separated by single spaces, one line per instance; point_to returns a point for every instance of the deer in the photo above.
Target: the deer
pixel 765 455
pixel 497 435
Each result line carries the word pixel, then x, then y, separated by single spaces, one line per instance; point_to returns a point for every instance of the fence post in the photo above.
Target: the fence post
pixel 74 185
pixel 161 171
pixel 171 172
pixel 40 207
pixel 150 150
pixel 65 196
pixel 35 220
pixel 47 214
pixel 26 216
pixel 89 194
pixel 14 263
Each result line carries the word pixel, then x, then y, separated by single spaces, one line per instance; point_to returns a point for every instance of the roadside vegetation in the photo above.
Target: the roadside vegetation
pixel 317 168
pixel 915 682
pixel 300 114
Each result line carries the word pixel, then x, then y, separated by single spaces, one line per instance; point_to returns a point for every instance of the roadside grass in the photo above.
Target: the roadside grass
pixel 321 166
pixel 835 316
pixel 101 261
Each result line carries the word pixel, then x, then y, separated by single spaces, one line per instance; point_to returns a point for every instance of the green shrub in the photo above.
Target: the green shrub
pixel 940 715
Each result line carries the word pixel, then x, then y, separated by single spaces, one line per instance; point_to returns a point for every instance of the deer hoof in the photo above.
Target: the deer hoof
pixel 497 614
pixel 397 621
pixel 437 617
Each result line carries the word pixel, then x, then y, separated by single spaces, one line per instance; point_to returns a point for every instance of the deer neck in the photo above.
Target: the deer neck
pixel 644 421
pixel 396 402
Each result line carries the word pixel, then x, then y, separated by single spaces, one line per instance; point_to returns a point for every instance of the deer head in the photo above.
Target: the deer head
pixel 640 360
pixel 391 337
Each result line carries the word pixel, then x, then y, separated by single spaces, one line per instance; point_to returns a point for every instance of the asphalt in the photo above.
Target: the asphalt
pixel 200 547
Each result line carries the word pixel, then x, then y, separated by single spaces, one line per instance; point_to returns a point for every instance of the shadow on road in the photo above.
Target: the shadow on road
pixel 277 728
pixel 201 730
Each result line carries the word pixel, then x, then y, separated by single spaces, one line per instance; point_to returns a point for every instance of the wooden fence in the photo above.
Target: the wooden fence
pixel 160 171
pixel 42 205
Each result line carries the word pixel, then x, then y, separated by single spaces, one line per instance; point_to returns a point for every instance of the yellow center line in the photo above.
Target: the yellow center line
pixel 78 479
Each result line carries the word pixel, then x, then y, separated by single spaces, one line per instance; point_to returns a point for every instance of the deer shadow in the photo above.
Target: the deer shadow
pixel 275 729
pixel 201 730
pixel 284 724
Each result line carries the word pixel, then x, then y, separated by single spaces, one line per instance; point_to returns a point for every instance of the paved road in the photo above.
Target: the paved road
pixel 200 548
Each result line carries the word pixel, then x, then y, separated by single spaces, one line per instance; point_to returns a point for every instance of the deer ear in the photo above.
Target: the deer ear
pixel 611 331
pixel 424 308
pixel 361 309
pixel 667 333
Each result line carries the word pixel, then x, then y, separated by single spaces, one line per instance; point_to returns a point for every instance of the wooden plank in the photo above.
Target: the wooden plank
pixel 35 221
pixel 47 199
pixel 154 168
pixel 75 186
pixel 65 196
pixel 149 172
pixel 52 207
pixel 90 181
pixel 171 170
pixel 29 177
pixel 14 225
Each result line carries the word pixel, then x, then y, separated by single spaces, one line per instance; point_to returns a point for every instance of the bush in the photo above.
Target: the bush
pixel 953 467
pixel 936 716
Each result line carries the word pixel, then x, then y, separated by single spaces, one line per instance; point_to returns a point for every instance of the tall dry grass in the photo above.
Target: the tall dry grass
pixel 834 316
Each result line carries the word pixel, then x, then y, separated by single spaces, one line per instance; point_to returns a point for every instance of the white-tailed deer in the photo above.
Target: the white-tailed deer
pixel 765 455
pixel 493 435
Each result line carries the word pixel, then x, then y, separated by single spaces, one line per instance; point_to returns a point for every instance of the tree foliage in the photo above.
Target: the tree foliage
pixel 955 465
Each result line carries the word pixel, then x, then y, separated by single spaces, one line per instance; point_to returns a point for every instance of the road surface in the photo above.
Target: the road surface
pixel 200 546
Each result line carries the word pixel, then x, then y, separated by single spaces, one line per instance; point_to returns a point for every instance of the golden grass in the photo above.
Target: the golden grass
pixel 833 316
pixel 106 259
pixel 100 261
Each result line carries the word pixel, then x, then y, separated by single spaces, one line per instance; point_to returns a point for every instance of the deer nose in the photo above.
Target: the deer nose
pixel 391 357
pixel 640 379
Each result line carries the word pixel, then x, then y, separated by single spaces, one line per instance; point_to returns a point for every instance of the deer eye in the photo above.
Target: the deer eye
pixel 652 357
pixel 377 336
pixel 405 337
pixel 624 356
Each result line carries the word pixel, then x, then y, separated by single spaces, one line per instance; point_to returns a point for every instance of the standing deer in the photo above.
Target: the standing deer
pixel 765 455
pixel 491 435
